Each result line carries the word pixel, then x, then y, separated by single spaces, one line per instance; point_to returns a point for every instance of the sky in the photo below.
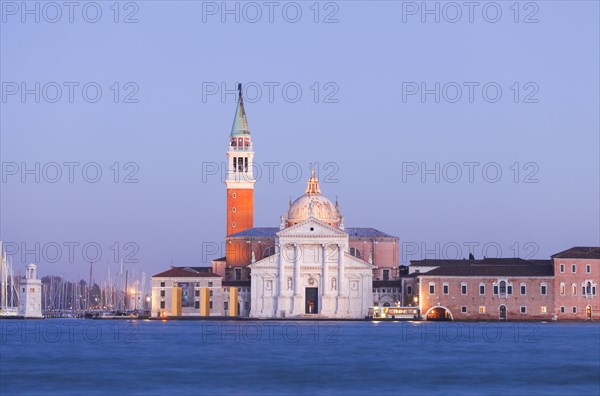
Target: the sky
pixel 456 129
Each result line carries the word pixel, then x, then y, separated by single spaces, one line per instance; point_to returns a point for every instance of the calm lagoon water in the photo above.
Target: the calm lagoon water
pixel 76 357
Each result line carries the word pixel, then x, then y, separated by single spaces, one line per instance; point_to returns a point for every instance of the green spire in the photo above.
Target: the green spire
pixel 240 123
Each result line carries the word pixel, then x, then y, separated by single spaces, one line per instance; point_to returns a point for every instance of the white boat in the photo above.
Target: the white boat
pixel 9 306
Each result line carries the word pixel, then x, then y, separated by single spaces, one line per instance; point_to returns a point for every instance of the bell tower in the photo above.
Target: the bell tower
pixel 240 179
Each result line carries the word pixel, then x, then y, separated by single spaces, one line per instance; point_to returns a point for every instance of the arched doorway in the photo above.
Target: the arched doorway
pixel 588 313
pixel 502 311
pixel 438 314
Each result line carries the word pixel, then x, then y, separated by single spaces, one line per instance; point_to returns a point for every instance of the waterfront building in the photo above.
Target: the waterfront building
pixel 576 278
pixel 30 294
pixel 197 291
pixel 488 289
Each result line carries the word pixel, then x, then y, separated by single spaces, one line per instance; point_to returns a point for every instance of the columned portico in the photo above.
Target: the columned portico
pixel 315 275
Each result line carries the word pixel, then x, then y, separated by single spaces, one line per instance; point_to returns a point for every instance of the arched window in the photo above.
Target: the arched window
pixel 269 251
pixel 355 252
pixel 588 288
pixel 502 288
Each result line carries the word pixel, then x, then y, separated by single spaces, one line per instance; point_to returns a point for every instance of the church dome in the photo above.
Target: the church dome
pixel 322 208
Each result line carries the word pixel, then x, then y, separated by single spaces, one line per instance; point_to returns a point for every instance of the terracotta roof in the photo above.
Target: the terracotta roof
pixel 482 268
pixel 187 272
pixel 580 252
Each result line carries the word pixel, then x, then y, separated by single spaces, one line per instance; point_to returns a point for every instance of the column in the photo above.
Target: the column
pixel 297 289
pixel 340 282
pixel 325 283
pixel 297 301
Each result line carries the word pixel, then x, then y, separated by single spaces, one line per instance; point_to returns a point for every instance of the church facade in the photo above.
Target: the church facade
pixel 311 271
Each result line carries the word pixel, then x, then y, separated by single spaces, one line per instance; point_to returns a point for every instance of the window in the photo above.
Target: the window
pixel 509 289
pixel 269 251
pixel 463 289
pixel 562 309
pixel 588 269
pixel 543 310
pixel 543 290
pixel 562 289
pixel 481 309
pixel 523 310
pixel 446 288
pixel 197 293
pixel 574 310
pixel 386 274
pixel 162 284
pixel 502 288
pixel 574 268
pixel 238 274
pixel 246 306
pixel 408 289
pixel 162 293
pixel 562 268
pixel 234 195
pixel 211 293
pixel 233 224
pixel 162 305
pixel 431 288
pixel 463 309
pixel 209 284
pixel 588 288
pixel 482 289
pixel 197 304
pixel 233 209
pixel 355 252
pixel 495 289
pixel 226 305
pixel 523 289
pixel 210 305
pixel 574 289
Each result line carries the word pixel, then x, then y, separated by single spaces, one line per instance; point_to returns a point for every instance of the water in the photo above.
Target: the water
pixel 75 357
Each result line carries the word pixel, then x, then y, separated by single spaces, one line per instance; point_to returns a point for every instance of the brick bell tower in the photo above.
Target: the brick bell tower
pixel 240 179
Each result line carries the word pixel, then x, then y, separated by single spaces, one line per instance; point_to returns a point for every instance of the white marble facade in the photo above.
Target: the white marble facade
pixel 311 274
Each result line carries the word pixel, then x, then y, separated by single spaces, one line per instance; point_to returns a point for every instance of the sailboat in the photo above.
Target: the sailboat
pixel 9 306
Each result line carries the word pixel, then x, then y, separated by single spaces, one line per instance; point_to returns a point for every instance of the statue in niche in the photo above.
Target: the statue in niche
pixel 333 284
pixel 289 283
pixel 253 259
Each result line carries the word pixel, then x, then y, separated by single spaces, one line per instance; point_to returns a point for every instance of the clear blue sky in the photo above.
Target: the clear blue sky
pixel 374 133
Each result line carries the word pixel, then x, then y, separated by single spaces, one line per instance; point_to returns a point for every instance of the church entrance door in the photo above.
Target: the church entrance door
pixel 312 300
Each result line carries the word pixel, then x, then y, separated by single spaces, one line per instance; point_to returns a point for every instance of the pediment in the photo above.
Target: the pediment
pixel 266 262
pixel 350 259
pixel 311 228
